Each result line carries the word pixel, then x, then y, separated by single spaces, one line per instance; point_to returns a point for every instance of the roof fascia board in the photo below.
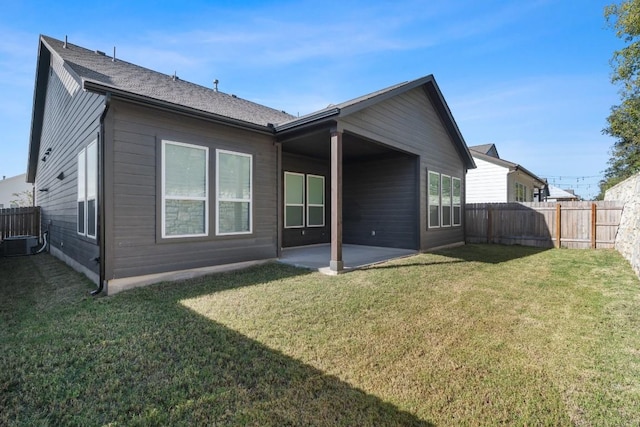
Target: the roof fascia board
pixel 306 121
pixel 102 89
pixel 37 115
pixel 357 106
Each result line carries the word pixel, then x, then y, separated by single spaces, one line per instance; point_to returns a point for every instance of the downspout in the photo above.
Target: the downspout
pixel 101 198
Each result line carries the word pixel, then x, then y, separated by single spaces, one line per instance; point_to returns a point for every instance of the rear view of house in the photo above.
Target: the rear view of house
pixel 151 177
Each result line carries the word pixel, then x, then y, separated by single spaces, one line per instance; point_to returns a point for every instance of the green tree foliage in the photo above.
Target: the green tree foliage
pixel 624 120
pixel 22 199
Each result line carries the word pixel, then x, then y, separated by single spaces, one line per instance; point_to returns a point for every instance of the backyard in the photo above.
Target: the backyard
pixel 476 335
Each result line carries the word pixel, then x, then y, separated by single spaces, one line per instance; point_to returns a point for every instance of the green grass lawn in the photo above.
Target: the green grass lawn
pixel 477 335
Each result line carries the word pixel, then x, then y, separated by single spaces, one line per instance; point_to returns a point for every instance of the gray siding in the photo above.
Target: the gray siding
pixel 71 121
pixel 133 223
pixel 410 123
pixel 308 235
pixel 380 202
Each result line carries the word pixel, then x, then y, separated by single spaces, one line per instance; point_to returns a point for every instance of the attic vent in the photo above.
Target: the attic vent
pixel 233 96
pixel 101 53
pixel 175 76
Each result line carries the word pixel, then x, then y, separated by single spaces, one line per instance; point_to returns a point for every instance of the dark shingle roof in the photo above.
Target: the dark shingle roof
pixel 124 76
pixel 485 149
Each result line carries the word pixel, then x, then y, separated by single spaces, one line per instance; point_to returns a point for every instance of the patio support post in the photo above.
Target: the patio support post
pixel 336 264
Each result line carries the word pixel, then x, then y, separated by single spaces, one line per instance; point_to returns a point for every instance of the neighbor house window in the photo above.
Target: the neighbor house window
pixel 234 189
pixel 445 200
pixel 293 200
pixel 315 201
pixel 456 200
pixel 185 189
pixel 87 213
pixel 521 193
pixel 434 199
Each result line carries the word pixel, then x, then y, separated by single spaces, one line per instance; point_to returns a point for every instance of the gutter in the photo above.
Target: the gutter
pixel 101 198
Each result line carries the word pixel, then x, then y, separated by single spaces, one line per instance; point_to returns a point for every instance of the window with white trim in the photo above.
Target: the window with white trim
pixel 445 200
pixel 457 200
pixel 87 212
pixel 434 199
pixel 293 200
pixel 521 192
pixel 185 190
pixel 234 189
pixel 315 201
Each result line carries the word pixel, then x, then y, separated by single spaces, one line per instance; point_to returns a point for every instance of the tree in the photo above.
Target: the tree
pixel 22 199
pixel 624 120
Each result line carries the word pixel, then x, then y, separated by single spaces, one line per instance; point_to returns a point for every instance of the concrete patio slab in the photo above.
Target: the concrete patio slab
pixel 317 257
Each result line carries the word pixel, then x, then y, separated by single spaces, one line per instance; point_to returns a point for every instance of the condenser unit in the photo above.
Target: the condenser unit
pixel 18 245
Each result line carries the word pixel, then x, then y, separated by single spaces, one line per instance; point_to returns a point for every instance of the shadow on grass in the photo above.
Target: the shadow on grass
pixel 490 253
pixel 142 358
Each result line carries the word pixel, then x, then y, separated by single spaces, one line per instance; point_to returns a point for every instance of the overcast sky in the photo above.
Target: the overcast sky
pixel 530 76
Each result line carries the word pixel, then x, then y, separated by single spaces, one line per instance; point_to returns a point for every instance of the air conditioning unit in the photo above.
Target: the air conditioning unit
pixel 19 245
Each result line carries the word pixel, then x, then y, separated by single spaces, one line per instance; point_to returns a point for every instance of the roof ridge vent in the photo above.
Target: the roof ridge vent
pixel 101 53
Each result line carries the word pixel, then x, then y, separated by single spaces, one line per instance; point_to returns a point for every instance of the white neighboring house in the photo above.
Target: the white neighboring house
pixel 496 180
pixel 10 186
pixel 557 194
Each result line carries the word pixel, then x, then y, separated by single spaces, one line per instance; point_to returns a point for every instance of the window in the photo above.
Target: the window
pixel 445 200
pixel 234 188
pixel 315 201
pixel 293 200
pixel 457 192
pixel 185 189
pixel 521 193
pixel 87 213
pixel 434 199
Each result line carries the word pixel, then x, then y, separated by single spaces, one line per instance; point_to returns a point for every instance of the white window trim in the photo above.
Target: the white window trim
pixel 429 174
pixel 315 205
pixel 85 197
pixel 294 204
pixel 450 205
pixel 454 205
pixel 219 199
pixel 198 198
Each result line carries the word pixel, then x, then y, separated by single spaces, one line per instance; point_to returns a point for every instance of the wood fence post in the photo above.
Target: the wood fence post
pixel 558 225
pixel 489 226
pixel 594 217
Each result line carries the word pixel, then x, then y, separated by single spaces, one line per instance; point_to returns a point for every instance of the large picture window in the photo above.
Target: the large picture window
pixel 293 200
pixel 185 189
pixel 234 189
pixel 87 213
pixel 434 199
pixel 315 201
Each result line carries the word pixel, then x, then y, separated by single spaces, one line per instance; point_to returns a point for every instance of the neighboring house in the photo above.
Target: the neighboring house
pixel 496 180
pixel 557 194
pixel 9 187
pixel 149 175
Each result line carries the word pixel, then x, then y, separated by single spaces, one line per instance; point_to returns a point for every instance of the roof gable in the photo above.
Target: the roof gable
pixel 488 149
pixel 347 108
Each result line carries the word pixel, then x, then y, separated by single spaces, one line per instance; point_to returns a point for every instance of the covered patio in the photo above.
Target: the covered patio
pixel 317 257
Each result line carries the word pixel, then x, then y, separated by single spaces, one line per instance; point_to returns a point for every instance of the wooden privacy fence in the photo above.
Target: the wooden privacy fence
pixel 562 224
pixel 19 222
